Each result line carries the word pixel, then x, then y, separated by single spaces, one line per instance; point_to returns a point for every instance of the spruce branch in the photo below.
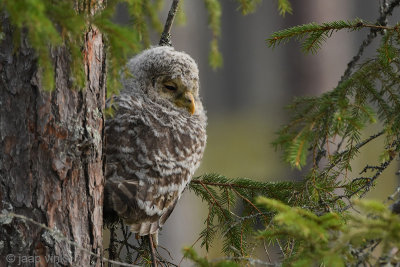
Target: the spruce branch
pixel 284 7
pixel 166 34
pixel 248 201
pixel 336 240
pixel 362 184
pixel 213 197
pixel 382 20
pixel 249 260
pixel 306 31
pixel 224 185
pixel 248 6
pixel 314 34
pixel 214 23
pixel 223 195
pixel 246 187
pixel 343 113
pixel 339 155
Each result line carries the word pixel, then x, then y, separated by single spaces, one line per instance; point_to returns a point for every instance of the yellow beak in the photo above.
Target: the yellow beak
pixel 186 100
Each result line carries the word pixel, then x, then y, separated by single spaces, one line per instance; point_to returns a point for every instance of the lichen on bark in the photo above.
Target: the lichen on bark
pixel 51 158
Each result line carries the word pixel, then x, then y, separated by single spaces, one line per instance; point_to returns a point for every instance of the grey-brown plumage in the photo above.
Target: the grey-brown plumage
pixel 155 139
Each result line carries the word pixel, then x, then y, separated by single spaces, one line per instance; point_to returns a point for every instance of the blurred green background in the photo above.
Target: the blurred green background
pixel 245 99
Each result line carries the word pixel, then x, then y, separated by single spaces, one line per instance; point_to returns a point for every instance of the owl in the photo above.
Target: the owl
pixel 155 139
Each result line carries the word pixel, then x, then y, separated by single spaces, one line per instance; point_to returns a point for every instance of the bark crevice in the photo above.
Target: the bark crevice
pixel 47 171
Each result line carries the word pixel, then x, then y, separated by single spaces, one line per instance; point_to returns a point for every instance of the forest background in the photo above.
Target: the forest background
pixel 245 98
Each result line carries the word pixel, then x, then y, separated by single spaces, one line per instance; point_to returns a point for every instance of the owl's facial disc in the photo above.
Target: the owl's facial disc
pixel 179 94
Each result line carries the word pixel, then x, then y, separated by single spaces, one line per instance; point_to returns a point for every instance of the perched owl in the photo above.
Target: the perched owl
pixel 155 140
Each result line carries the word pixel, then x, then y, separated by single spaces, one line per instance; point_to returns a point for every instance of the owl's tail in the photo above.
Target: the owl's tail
pixel 110 216
pixel 145 228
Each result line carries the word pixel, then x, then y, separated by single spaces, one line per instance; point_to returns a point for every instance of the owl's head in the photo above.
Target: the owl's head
pixel 166 76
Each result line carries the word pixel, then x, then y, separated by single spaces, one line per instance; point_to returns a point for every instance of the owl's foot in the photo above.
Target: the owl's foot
pixel 155 239
pixel 152 251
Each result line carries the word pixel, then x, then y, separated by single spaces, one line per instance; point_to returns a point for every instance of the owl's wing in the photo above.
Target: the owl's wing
pixel 138 206
pixel 133 190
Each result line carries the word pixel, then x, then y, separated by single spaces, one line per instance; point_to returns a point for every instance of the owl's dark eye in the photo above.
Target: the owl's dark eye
pixel 170 87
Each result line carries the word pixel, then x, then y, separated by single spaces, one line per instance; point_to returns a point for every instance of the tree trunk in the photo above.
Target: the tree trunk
pixel 51 158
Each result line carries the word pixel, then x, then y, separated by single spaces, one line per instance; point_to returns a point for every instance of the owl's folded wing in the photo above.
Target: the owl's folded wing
pixel 140 206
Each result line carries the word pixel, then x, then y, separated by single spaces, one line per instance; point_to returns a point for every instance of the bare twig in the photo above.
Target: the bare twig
pixel 266 251
pixel 392 196
pixel 58 236
pixel 239 219
pixel 166 34
pixel 383 6
pixel 248 201
pixel 395 207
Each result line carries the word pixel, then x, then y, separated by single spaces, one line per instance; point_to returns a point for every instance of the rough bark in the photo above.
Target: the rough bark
pixel 51 158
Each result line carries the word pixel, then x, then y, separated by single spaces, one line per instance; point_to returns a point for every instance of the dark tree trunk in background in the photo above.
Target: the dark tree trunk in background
pixel 51 161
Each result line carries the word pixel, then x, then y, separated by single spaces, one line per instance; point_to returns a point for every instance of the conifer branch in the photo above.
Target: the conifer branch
pixel 214 23
pixel 327 239
pixel 315 34
pixel 301 31
pixel 213 197
pixel 223 194
pixel 224 185
pixel 339 155
pixel 250 261
pixel 382 20
pixel 284 7
pixel 367 182
pixel 248 201
pixel 166 34
pixel 279 190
